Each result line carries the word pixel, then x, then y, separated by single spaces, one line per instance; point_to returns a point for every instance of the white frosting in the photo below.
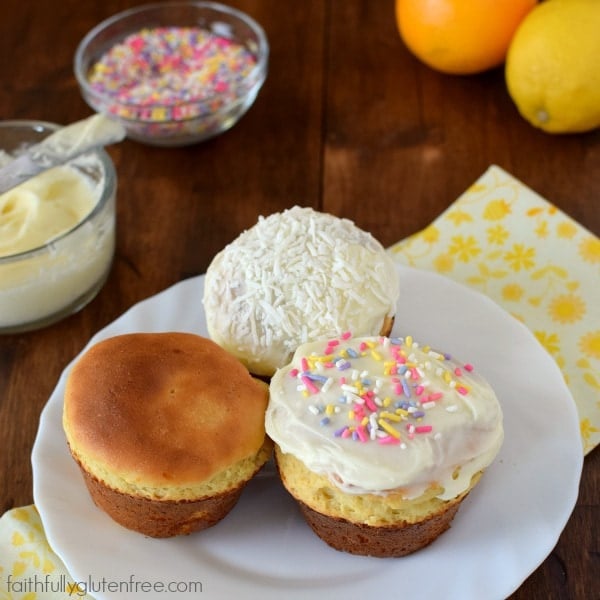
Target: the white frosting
pixel 64 268
pixel 439 415
pixel 294 277
pixel 42 208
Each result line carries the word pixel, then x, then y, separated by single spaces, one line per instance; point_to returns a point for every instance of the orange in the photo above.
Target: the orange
pixel 460 36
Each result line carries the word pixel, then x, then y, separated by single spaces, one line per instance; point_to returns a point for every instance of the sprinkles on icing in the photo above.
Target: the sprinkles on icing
pixel 172 73
pixel 388 405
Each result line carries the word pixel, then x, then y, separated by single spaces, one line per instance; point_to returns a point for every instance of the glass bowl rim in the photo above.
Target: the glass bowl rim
pixel 256 76
pixel 108 191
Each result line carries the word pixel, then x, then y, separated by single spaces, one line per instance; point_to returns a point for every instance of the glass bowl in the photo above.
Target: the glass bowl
pixel 41 285
pixel 174 73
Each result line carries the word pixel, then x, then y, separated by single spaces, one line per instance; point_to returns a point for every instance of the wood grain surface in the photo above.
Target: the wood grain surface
pixel 347 122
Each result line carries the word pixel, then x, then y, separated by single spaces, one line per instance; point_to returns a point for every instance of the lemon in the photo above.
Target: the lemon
pixel 553 66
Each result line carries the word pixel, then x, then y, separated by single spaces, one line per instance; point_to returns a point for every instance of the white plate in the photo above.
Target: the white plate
pixel 264 550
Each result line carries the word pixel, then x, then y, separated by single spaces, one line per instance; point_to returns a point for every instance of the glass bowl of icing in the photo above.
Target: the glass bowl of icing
pixel 174 73
pixel 57 233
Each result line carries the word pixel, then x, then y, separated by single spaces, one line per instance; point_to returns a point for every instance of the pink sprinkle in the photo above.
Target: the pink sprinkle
pixel 304 364
pixel 457 372
pixel 342 381
pixel 419 390
pixel 136 43
pixel 359 412
pixel 310 386
pixel 388 439
pixel 469 367
pixel 362 434
pixel 398 389
pixel 329 350
pixel 462 390
pixel 435 396
pixel 414 373
pixel 294 373
pixel 347 335
pixel 328 365
pixel 423 428
pixel 362 346
pixel 346 433
pixel 333 343
pixel 370 404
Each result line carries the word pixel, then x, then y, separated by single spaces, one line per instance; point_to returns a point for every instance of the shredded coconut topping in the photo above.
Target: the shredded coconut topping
pixel 294 277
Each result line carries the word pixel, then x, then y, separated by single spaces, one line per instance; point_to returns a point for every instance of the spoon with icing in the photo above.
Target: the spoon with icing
pixel 60 147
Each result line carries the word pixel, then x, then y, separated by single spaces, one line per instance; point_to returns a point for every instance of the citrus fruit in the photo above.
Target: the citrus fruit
pixel 460 36
pixel 553 66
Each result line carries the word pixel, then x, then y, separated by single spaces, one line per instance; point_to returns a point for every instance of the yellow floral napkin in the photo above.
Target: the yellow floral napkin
pixel 29 569
pixel 541 266
pixel 500 238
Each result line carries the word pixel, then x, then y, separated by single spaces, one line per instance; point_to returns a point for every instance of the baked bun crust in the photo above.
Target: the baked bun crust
pixel 297 276
pixel 367 524
pixel 159 422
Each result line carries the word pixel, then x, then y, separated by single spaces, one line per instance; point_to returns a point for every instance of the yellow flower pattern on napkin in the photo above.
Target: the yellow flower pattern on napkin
pixel 542 267
pixel 29 569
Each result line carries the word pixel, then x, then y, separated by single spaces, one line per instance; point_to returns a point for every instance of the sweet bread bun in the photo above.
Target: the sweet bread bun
pixel 167 428
pixel 294 277
pixel 380 440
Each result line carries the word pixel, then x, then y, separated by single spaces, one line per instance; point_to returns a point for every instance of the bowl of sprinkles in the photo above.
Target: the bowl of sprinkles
pixel 174 73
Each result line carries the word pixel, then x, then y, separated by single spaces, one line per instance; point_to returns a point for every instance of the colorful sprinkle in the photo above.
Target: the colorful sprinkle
pixel 309 385
pixel 394 394
pixel 172 73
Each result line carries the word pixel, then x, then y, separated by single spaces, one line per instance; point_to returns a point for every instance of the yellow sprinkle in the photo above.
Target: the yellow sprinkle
pixel 343 353
pixel 375 355
pixel 329 409
pixel 409 341
pixel 391 416
pixel 351 415
pixel 385 425
pixel 159 114
pixel 387 401
pixel 447 376
pixel 402 412
pixel 371 344
pixel 365 421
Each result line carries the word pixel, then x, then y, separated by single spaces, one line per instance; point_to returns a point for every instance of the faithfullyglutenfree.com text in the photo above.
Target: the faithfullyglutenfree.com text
pixel 35 584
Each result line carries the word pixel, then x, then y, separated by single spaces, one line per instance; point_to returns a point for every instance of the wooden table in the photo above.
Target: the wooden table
pixel 348 122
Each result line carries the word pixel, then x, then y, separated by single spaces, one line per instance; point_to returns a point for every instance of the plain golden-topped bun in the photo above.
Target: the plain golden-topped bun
pixel 167 429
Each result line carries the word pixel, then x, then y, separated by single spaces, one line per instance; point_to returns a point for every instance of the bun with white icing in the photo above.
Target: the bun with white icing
pixel 294 277
pixel 379 440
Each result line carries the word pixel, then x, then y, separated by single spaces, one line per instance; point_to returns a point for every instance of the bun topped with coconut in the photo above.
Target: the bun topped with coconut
pixel 294 277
